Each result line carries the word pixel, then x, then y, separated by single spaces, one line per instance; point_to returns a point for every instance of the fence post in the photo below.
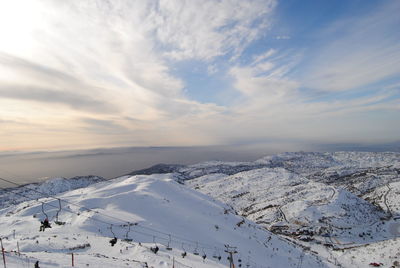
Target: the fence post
pixel 19 253
pixel 2 251
pixel 72 254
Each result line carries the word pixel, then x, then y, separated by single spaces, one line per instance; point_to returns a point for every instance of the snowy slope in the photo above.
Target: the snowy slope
pixel 289 202
pixel 152 209
pixel 49 187
pixel 321 200
pixel 308 162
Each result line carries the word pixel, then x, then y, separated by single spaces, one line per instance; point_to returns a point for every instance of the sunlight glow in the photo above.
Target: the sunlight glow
pixel 18 20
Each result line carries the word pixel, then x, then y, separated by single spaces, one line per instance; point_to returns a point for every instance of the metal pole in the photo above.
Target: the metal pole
pixel 2 251
pixel 19 253
pixel 72 259
pixel 231 250
pixel 231 264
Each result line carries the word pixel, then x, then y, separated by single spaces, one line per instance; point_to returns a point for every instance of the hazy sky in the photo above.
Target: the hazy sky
pixel 85 74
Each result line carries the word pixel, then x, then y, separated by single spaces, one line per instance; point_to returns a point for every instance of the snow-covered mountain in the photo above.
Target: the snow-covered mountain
pixel 288 210
pixel 344 200
pixel 141 211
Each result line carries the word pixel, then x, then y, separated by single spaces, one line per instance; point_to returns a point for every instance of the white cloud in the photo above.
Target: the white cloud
pixel 206 29
pixel 263 56
pixel 272 105
pixel 268 88
pixel 282 37
pixel 359 51
pixel 212 69
pixel 115 54
pixel 264 79
pixel 86 73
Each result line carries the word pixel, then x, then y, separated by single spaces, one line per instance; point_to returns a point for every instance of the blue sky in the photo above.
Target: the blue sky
pixel 297 27
pixel 88 74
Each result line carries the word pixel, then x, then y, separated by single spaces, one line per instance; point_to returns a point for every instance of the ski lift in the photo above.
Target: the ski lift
pixel 59 210
pixel 127 232
pixel 169 241
pixel 44 212
pixel 216 254
pixel 195 250
pixel 155 248
pixel 248 262
pixel 204 256
pixel 114 240
pixel 111 230
pixel 184 252
pixel 45 223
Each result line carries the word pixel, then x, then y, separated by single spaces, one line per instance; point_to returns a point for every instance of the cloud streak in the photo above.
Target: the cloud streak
pixel 49 96
pixel 362 51
pixel 207 29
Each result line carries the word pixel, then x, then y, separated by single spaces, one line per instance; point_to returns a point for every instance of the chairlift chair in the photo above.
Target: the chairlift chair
pixel 184 252
pixel 216 254
pixel 111 230
pixel 127 233
pixel 155 248
pixel 114 240
pixel 204 256
pixel 248 262
pixel 195 250
pixel 169 241
pixel 43 211
pixel 59 210
pixel 45 223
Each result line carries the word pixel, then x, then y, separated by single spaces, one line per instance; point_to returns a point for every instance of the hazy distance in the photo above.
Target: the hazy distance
pixel 25 167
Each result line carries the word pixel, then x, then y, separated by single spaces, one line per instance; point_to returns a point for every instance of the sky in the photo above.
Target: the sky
pixel 87 74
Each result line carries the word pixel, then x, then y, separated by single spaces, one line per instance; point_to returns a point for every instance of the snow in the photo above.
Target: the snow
pixel 301 209
pixel 325 201
pixel 49 187
pixel 152 206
